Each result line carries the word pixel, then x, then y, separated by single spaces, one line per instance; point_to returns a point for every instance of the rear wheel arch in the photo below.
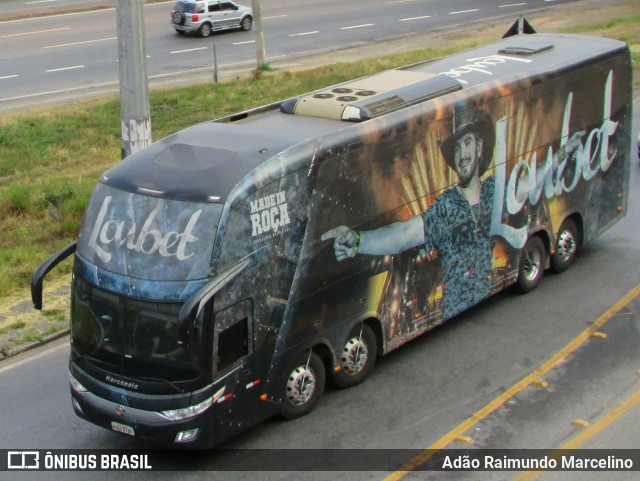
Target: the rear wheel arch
pixel 376 326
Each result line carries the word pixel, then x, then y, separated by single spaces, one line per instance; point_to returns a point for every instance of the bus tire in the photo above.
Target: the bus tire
pixel 532 261
pixel 566 247
pixel 304 385
pixel 357 357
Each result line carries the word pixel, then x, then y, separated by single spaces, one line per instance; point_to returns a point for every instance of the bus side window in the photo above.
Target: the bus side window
pixel 232 334
pixel 233 344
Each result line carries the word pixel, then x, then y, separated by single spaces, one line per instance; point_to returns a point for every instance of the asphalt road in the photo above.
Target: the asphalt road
pixel 31 7
pixel 75 54
pixel 556 368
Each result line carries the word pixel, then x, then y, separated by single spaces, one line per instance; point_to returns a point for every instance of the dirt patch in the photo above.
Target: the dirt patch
pixel 22 327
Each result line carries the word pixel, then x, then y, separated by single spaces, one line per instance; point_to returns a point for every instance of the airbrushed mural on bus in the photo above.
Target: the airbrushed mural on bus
pixel 223 274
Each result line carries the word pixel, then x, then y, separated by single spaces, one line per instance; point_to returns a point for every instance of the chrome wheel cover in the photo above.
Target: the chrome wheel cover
pixel 354 356
pixel 300 385
pixel 566 246
pixel 532 264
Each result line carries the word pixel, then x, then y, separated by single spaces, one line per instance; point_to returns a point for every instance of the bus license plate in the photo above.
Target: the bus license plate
pixel 122 428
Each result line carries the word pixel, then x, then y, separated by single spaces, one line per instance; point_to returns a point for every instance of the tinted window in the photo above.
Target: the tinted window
pixel 185 7
pixel 129 336
pixel 232 334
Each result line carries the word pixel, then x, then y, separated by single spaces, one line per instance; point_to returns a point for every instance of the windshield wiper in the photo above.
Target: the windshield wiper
pixel 165 381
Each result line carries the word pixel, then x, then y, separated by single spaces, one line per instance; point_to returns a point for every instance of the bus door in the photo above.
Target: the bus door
pixel 236 360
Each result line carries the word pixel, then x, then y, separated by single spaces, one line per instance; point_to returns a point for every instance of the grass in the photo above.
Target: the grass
pixel 50 160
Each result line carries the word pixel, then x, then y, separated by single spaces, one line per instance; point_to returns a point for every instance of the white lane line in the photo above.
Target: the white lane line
pixel 34 32
pixel 414 18
pixel 400 1
pixel 273 16
pixel 115 84
pixel 244 43
pixel 40 1
pixel 304 33
pixel 33 358
pixel 190 50
pixel 357 26
pixel 82 43
pixel 8 77
pixel 512 5
pixel 464 11
pixel 75 67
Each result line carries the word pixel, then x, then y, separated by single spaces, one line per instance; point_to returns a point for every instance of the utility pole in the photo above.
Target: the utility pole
pixel 135 113
pixel 261 53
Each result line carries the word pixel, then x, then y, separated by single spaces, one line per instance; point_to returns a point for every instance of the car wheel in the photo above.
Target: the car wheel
pixel 531 268
pixel 304 386
pixel 357 358
pixel 205 30
pixel 566 246
pixel 246 23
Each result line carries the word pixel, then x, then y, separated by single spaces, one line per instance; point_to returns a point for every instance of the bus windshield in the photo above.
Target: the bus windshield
pixel 139 257
pixel 129 336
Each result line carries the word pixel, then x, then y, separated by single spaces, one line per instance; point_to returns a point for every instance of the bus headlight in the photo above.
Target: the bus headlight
pixel 188 412
pixel 77 387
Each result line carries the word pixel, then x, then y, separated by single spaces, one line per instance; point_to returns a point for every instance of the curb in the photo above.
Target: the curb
pixel 32 345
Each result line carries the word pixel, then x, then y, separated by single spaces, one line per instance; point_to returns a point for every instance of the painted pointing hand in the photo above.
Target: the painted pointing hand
pixel 344 244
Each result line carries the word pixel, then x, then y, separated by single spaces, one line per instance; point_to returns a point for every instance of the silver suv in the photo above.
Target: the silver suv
pixel 204 16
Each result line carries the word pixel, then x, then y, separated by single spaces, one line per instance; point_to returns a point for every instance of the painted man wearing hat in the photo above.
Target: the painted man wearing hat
pixel 457 224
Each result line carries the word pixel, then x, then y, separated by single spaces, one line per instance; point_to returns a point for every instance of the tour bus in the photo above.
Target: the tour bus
pixel 223 274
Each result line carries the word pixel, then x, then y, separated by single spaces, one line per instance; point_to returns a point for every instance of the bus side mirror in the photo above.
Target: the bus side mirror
pixel 194 305
pixel 44 269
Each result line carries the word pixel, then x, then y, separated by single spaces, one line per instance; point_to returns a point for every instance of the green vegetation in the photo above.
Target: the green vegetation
pixel 50 160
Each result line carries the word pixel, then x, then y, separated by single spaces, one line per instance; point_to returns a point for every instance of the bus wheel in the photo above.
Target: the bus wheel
pixel 357 358
pixel 566 246
pixel 531 267
pixel 304 386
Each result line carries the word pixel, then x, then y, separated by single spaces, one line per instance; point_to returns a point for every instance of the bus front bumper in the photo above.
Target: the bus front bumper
pixel 149 426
